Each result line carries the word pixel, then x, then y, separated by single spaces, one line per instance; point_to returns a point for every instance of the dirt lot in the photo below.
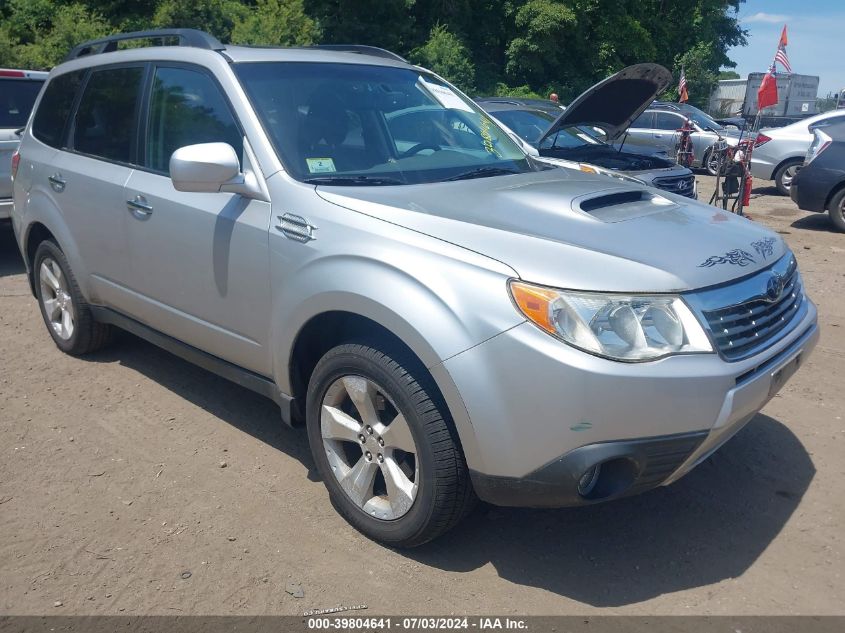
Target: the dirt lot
pixel 113 498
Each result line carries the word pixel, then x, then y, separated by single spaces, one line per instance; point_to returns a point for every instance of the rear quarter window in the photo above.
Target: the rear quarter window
pixel 16 99
pixel 50 123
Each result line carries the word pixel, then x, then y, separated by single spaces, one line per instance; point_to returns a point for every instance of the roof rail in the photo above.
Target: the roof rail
pixel 372 51
pixel 186 37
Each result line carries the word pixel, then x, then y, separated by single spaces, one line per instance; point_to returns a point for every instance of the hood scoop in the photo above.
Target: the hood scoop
pixel 620 206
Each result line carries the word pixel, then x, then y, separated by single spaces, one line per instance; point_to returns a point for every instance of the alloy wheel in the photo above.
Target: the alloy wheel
pixel 369 447
pixel 789 174
pixel 56 298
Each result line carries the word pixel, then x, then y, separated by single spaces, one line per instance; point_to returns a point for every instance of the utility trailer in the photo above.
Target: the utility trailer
pixel 738 97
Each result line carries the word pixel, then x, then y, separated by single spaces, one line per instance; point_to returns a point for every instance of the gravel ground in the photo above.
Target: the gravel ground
pixel 134 483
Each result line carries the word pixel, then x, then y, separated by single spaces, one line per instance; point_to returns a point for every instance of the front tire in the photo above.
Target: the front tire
pixel 711 163
pixel 836 211
pixel 784 175
pixel 65 312
pixel 384 445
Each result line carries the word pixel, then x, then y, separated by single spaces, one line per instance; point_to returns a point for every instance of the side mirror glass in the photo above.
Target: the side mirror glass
pixel 205 167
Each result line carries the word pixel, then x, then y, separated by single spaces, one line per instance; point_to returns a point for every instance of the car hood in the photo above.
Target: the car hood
pixel 569 229
pixel 614 103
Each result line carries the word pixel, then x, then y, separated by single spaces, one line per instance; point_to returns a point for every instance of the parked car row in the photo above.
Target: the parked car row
pixel 449 317
pixel 569 137
pixel 779 153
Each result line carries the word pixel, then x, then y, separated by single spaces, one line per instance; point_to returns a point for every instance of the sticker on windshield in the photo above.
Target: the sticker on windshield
pixel 320 165
pixel 445 96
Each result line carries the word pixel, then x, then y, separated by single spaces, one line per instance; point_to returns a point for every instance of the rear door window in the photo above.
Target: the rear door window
pixel 667 121
pixel 105 122
pixel 50 122
pixel 187 107
pixel 16 99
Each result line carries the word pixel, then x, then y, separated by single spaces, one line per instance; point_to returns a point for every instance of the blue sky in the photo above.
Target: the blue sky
pixel 816 30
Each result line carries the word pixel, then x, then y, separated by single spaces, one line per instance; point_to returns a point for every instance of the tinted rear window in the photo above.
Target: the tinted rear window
pixel 54 109
pixel 16 99
pixel 105 120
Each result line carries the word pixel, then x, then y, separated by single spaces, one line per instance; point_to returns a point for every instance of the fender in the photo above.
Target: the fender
pixel 422 310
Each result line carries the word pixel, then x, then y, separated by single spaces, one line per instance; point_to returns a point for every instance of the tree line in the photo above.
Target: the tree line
pixel 501 47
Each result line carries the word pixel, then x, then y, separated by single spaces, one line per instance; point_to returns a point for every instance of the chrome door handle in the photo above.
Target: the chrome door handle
pixel 139 207
pixel 57 182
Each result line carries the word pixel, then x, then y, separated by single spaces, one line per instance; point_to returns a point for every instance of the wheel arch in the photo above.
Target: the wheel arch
pixel 36 233
pixel 786 161
pixel 331 328
pixel 833 193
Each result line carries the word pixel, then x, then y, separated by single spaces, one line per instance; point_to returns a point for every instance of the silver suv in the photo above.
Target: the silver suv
pixel 18 91
pixel 351 236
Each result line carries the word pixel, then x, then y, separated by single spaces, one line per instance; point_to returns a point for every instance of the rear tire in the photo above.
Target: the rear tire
pixel 65 312
pixel 836 211
pixel 784 175
pixel 376 414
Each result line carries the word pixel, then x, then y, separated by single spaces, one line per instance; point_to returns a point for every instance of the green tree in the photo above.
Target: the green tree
pixel 217 17
pixel 446 54
pixel 384 23
pixel 544 47
pixel 37 36
pixel 277 23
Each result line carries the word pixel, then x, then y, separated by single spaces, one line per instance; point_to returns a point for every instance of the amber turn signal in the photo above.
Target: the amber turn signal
pixel 534 303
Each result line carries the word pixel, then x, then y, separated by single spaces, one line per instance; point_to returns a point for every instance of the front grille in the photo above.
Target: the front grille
pixel 681 185
pixel 739 329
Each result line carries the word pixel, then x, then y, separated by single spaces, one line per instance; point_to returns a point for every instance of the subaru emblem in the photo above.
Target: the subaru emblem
pixel 774 286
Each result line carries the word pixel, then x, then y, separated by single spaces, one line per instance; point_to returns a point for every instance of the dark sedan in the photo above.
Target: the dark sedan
pixel 820 184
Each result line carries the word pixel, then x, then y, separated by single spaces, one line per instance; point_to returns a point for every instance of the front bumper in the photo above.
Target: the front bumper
pixel 544 413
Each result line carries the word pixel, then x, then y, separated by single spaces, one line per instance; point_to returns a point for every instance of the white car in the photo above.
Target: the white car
pixel 779 152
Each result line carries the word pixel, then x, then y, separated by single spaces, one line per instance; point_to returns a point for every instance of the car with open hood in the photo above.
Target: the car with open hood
pixel 572 135
pixel 348 234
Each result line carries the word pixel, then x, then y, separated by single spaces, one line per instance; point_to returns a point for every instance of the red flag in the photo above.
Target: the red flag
pixel 783 40
pixel 767 95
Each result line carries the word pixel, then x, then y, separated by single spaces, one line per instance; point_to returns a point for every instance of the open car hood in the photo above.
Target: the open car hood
pixel 614 103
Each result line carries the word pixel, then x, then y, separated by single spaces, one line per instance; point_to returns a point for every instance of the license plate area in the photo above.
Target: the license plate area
pixel 783 373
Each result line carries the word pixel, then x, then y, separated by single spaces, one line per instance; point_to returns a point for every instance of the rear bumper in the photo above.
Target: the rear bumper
pixel 809 192
pixel 762 167
pixel 5 208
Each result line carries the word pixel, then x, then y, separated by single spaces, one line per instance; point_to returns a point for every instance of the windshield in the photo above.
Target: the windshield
pixel 531 125
pixel 16 102
pixel 350 124
pixel 701 119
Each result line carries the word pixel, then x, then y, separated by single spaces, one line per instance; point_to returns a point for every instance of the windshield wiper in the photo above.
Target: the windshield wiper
pixel 354 180
pixel 482 172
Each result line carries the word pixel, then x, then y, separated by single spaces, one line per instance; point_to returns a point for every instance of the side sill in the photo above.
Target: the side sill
pixel 243 377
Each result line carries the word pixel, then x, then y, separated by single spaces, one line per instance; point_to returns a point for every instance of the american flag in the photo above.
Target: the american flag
pixel 780 56
pixel 683 95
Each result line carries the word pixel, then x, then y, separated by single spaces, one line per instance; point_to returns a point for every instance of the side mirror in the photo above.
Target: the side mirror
pixel 203 168
pixel 211 168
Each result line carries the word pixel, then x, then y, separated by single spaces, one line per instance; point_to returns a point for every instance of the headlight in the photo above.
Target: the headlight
pixel 620 327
